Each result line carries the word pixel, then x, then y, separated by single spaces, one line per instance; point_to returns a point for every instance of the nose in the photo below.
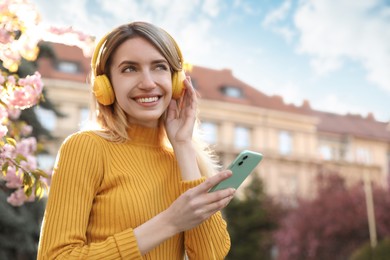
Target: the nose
pixel 147 81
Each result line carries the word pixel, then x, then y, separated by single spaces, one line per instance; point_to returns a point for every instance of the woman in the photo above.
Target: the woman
pixel 136 188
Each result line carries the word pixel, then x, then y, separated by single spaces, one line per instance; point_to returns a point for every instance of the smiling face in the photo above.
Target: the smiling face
pixel 141 78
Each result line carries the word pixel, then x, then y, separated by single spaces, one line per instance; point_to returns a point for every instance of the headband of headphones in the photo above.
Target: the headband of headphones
pixel 96 52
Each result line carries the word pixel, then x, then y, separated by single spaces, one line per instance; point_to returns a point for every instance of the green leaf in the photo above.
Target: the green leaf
pixel 27 180
pixel 4 168
pixel 11 141
pixel 28 191
pixel 41 173
pixel 20 158
pixel 38 189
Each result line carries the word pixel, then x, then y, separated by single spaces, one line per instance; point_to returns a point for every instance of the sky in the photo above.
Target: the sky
pixel 333 53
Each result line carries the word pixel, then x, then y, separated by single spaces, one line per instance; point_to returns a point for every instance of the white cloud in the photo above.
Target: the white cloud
pixel 332 31
pixel 285 32
pixel 245 7
pixel 274 19
pixel 189 22
pixel 291 92
pixel 323 65
pixel 211 7
pixel 278 14
pixel 74 13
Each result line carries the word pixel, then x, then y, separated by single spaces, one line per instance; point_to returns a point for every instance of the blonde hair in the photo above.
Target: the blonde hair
pixel 112 119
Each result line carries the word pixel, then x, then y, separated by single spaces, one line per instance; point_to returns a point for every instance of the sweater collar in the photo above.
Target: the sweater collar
pixel 145 135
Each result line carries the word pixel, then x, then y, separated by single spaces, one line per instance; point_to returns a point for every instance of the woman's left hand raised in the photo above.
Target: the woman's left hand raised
pixel 181 115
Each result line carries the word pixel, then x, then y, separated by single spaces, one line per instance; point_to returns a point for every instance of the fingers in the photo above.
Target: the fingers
pixel 172 108
pixel 193 95
pixel 209 209
pixel 188 101
pixel 219 204
pixel 214 180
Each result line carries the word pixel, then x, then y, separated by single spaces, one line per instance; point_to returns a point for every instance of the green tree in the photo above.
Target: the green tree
pixel 366 252
pixel 251 220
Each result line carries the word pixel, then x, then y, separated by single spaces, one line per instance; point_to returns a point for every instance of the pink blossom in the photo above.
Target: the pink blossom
pixel 3 131
pixel 24 93
pixel 13 180
pixel 3 114
pixel 31 163
pixel 7 152
pixel 5 36
pixel 11 80
pixel 2 79
pixel 23 97
pixel 26 130
pixel 26 146
pixel 32 80
pixel 17 198
pixel 14 113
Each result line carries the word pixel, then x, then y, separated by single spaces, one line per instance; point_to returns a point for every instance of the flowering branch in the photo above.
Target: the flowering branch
pixel 20 33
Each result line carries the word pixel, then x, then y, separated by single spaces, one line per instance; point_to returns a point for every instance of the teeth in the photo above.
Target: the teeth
pixel 147 100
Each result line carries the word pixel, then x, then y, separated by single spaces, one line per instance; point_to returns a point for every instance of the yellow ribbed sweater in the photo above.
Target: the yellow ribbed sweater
pixel 101 191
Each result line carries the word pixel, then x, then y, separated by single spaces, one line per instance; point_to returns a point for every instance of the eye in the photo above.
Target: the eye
pixel 162 66
pixel 129 69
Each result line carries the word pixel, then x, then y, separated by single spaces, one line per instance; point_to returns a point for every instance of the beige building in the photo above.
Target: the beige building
pixel 297 142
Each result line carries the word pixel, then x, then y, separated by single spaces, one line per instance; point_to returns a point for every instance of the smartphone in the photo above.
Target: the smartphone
pixel 241 167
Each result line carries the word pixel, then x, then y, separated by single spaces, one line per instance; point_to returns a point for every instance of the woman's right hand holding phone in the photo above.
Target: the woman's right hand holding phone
pixel 197 204
pixel 188 211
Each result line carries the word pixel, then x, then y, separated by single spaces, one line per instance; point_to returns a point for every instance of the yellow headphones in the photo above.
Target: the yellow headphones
pixel 103 90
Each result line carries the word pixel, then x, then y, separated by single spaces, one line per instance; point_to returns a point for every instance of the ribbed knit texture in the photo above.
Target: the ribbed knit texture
pixel 101 191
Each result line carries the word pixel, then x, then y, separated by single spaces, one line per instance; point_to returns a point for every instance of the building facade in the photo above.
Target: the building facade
pixel 297 142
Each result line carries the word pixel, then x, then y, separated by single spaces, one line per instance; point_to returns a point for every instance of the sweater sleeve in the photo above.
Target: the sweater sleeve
pixel 76 178
pixel 209 240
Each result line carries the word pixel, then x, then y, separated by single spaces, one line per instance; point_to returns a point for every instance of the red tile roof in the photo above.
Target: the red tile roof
pixel 354 125
pixel 209 82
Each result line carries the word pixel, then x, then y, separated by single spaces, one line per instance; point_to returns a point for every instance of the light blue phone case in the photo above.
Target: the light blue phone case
pixel 241 167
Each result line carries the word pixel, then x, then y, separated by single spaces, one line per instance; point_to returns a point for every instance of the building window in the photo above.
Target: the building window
pixel 46 117
pixel 326 152
pixel 209 132
pixel 285 142
pixel 241 137
pixel 68 67
pixel 231 91
pixel 363 155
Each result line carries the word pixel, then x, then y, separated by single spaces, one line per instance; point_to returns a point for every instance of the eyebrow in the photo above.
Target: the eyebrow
pixel 129 62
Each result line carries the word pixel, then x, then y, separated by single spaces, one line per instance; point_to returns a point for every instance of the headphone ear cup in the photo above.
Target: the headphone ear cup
pixel 178 84
pixel 103 90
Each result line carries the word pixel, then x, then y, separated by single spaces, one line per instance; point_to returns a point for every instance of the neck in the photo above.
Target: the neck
pixel 145 135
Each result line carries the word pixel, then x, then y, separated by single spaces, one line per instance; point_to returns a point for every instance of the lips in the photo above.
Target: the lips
pixel 145 100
